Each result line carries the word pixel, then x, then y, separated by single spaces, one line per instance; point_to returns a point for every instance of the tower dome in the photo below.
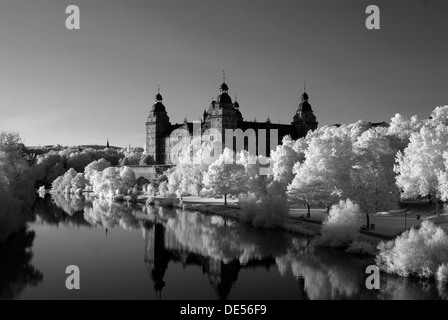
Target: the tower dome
pixel 158 105
pixel 224 98
pixel 304 105
pixel 224 87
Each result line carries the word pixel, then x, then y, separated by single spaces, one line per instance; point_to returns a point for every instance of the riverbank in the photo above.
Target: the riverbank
pixel 387 225
pixel 231 211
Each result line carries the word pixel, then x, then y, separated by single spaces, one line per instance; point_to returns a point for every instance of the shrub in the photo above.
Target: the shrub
pixel 341 227
pixel 362 247
pixel 269 212
pixel 163 189
pixel 419 252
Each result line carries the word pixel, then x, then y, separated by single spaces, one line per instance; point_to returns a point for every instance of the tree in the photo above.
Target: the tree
pixel 98 165
pixel 12 145
pixel 147 160
pixel 56 171
pixel 309 191
pixel 78 182
pixel 187 176
pixel 420 167
pixel 224 178
pixel 372 178
pixel 45 167
pixel 12 216
pixel 325 173
pixel 403 127
pixel 127 176
pixel 17 181
pixel 258 184
pixel 283 158
pixel 133 156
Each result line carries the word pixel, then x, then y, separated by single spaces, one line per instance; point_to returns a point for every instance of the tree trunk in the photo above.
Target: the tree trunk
pixel 437 207
pixel 309 213
pixel 368 220
pixel 225 199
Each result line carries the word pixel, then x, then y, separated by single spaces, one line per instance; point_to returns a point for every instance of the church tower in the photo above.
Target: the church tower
pixel 304 119
pixel 157 124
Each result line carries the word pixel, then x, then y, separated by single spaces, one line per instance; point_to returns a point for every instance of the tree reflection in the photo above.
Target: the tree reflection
pixel 108 214
pixel 212 237
pixel 397 288
pixel 222 248
pixel 59 210
pixel 69 203
pixel 16 270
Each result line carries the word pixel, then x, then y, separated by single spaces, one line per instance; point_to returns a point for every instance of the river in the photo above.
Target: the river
pixel 144 252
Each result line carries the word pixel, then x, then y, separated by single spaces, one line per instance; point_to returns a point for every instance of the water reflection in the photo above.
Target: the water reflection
pixel 16 270
pixel 225 250
pixel 107 214
pixel 59 210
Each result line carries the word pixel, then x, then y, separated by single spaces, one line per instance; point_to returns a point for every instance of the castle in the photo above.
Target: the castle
pixel 163 138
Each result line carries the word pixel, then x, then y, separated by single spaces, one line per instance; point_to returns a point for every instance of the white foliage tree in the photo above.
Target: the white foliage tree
pixel 283 158
pixel 421 166
pixel 372 176
pixel 224 176
pixel 342 225
pixel 98 165
pixel 325 173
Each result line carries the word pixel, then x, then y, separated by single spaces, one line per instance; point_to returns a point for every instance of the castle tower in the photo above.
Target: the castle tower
pixel 157 124
pixel 304 119
pixel 223 113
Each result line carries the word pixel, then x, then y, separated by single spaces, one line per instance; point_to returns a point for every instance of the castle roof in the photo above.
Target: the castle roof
pixel 283 129
pixel 187 125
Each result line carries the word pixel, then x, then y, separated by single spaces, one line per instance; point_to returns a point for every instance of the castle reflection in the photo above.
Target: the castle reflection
pixel 162 246
pixel 225 251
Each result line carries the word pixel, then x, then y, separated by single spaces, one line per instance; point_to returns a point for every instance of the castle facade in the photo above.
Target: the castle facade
pixel 163 139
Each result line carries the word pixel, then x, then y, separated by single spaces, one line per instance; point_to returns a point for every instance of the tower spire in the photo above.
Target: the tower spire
pixel 304 94
pixel 224 87
pixel 158 95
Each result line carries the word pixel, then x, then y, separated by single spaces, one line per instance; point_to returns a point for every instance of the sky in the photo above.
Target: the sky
pixel 73 87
